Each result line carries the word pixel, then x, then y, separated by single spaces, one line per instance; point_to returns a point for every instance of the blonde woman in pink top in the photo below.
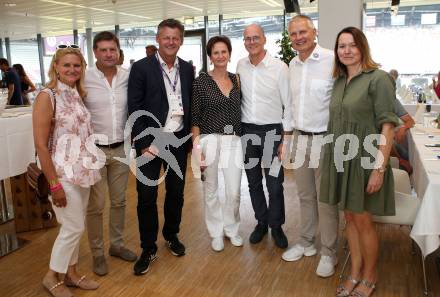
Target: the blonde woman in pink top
pixel 61 125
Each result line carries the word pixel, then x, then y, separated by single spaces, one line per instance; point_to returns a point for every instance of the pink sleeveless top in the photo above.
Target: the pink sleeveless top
pixel 73 162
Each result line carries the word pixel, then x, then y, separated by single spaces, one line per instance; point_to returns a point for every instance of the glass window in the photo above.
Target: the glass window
pixel 371 21
pixel 25 52
pixel 213 26
pixel 398 20
pixel 405 42
pixel 3 49
pixel 429 19
pixel 82 42
pixel 193 23
pixel 133 41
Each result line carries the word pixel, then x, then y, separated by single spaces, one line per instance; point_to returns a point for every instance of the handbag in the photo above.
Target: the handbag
pixel 37 180
pixel 34 175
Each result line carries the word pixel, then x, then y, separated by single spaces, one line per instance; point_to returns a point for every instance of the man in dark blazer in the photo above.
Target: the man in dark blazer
pixel 160 85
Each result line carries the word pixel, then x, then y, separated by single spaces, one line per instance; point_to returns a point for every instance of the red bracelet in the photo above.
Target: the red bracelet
pixel 56 187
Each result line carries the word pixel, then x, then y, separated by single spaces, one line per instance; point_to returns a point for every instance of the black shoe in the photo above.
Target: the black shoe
pixel 143 263
pixel 175 246
pixel 279 237
pixel 258 233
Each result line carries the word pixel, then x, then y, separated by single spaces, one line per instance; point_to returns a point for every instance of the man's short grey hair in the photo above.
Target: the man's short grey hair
pixel 302 17
pixel 257 25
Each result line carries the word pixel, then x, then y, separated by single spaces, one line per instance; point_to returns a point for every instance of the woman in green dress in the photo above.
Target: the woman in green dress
pixel 356 174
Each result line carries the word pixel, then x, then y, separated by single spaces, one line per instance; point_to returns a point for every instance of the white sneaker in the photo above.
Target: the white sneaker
pixel 297 252
pixel 217 244
pixel 326 266
pixel 236 240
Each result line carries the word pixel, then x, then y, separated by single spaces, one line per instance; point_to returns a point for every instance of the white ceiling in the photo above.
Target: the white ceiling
pixel 55 17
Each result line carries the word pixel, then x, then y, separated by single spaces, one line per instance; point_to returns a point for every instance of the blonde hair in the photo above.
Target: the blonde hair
pixel 361 42
pixel 53 77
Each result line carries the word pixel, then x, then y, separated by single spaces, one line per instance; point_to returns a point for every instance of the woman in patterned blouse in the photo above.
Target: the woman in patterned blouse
pixel 62 130
pixel 216 128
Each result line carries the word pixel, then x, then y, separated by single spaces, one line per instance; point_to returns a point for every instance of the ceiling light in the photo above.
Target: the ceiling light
pixel 275 4
pixel 187 6
pixel 267 3
pixel 9 4
pixel 188 20
pixel 94 8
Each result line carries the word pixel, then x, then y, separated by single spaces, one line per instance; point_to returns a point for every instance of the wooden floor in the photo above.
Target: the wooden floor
pixel 251 270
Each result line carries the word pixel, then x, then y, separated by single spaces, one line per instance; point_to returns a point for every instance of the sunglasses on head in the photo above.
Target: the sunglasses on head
pixel 63 46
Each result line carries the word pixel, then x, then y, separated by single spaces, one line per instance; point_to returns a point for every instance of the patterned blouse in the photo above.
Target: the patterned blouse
pixel 73 162
pixel 211 110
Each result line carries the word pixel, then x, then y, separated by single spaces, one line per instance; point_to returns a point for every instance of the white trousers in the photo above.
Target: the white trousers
pixel 222 153
pixel 72 219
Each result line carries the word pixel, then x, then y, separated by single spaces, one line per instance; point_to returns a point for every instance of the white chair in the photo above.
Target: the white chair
pixel 406 211
pixel 394 162
pixel 402 183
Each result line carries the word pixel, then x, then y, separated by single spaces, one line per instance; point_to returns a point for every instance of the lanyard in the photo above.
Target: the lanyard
pixel 173 85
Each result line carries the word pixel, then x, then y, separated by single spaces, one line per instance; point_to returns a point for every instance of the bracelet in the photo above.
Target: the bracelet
pixel 382 169
pixel 56 187
pixel 53 182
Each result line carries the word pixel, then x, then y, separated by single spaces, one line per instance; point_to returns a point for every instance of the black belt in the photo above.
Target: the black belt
pixel 262 126
pixel 311 133
pixel 111 145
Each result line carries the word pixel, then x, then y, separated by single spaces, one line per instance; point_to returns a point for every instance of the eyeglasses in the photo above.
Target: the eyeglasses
pixel 63 46
pixel 251 39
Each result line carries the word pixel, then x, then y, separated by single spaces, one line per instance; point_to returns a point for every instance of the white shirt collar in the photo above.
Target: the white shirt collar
pixel 265 61
pixel 163 63
pixel 101 74
pixel 315 55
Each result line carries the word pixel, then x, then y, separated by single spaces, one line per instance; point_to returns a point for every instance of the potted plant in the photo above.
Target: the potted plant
pixel 286 52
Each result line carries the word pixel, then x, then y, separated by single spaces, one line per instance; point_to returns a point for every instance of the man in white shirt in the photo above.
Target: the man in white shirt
pixel 106 100
pixel 266 114
pixel 310 87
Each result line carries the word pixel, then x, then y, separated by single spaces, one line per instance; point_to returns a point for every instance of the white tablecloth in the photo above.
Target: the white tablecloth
pixel 16 145
pixel 411 108
pixel 426 181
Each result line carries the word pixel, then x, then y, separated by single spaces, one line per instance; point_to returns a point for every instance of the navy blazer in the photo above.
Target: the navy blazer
pixel 146 91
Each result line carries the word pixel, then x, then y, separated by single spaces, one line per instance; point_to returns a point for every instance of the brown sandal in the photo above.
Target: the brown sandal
pixel 57 290
pixel 82 283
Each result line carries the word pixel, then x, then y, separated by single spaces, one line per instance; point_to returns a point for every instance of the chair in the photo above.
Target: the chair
pixel 402 183
pixel 394 162
pixel 406 212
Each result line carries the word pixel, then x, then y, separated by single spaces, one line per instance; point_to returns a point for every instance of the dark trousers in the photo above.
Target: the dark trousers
pixel 147 196
pixel 272 215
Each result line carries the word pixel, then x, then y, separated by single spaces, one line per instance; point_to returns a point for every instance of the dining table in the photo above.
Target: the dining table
pixel 411 108
pixel 16 152
pixel 424 156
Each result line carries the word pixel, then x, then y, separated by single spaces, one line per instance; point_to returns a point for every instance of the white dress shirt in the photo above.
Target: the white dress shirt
pixel 107 103
pixel 265 89
pixel 311 85
pixel 173 123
